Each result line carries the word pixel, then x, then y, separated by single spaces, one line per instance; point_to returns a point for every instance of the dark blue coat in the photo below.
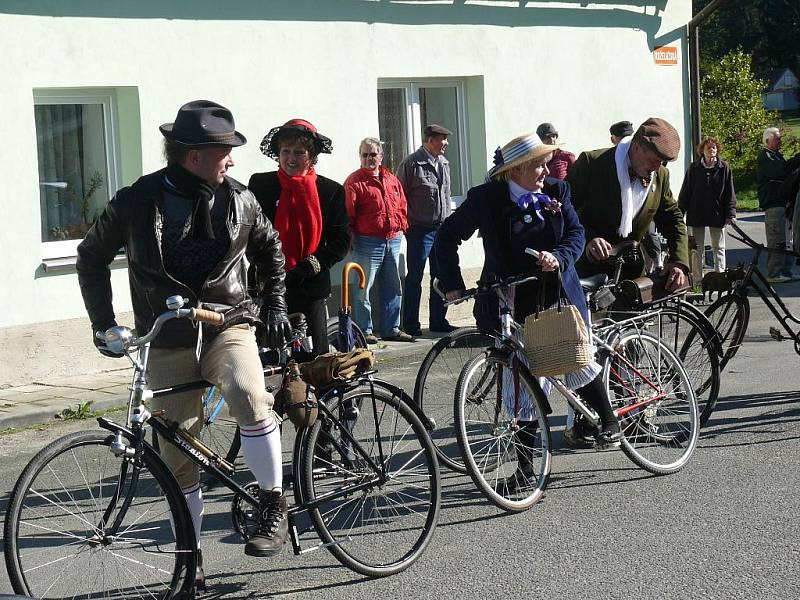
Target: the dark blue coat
pixel 487 209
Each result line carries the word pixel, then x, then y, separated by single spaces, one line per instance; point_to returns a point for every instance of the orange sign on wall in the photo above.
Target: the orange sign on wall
pixel 666 55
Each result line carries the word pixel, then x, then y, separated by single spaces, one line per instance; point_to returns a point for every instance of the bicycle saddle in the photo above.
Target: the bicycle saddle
pixel 622 247
pixel 594 282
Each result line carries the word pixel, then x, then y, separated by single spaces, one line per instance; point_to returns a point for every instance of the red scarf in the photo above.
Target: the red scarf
pixel 298 217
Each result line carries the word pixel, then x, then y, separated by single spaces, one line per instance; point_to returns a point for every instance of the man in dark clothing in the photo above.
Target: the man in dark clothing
pixel 191 230
pixel 425 177
pixel 771 169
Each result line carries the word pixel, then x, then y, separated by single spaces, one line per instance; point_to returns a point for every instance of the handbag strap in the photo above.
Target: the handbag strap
pixel 562 294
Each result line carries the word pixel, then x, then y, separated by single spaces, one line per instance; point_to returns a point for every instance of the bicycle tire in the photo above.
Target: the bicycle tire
pixel 661 437
pixel 382 529
pixel 490 441
pixel 220 430
pixel 333 336
pixel 697 348
pixel 57 540
pixel 435 387
pixel 730 316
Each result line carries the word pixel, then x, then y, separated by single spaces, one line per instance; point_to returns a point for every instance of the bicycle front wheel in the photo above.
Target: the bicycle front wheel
pixel 503 432
pixel 435 387
pixel 375 475
pixel 697 349
pixel 83 523
pixel 730 316
pixel 654 399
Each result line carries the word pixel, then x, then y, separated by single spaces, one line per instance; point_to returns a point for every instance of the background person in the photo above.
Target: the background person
pixel 620 130
pixel 309 214
pixel 425 177
pixel 521 207
pixel 708 199
pixel 209 223
pixel 771 169
pixel 562 160
pixel 377 209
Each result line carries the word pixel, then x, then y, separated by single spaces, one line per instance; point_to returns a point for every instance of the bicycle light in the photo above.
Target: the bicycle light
pixel 118 339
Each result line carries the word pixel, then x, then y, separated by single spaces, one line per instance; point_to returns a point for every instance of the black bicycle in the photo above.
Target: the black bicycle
pixel 730 313
pixel 99 514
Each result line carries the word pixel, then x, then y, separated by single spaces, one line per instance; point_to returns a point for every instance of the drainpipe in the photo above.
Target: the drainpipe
pixel 694 64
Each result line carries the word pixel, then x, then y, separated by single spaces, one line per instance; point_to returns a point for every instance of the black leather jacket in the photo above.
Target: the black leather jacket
pixel 133 220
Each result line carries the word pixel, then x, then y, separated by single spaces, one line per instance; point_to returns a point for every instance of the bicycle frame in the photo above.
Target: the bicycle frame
pixel 755 279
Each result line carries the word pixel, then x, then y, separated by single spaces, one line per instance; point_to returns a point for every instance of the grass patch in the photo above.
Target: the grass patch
pixel 792 119
pixel 744 182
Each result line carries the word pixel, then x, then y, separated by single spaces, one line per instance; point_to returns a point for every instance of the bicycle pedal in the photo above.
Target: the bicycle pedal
pixel 601 446
pixel 776 335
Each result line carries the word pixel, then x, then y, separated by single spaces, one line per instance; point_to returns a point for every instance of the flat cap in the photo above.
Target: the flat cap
pixel 621 129
pixel 660 137
pixel 434 129
pixel 546 129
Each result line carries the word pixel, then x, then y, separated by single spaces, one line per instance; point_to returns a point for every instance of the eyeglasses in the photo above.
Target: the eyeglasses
pixel 369 154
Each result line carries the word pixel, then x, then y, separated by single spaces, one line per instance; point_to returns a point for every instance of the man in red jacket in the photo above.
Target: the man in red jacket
pixel 377 209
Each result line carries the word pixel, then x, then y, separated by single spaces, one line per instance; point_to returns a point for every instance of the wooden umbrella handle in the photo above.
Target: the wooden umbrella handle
pixel 362 281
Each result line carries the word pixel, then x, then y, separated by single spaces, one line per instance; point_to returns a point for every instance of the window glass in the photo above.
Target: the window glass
pixel 439 105
pixel 73 168
pixel 393 126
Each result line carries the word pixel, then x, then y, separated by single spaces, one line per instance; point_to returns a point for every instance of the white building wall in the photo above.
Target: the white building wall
pixel 535 64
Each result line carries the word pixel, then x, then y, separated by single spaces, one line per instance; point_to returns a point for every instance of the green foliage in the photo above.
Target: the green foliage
pixel 82 410
pixel 732 111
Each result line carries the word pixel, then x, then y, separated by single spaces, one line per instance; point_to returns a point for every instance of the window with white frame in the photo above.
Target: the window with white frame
pixel 406 107
pixel 77 159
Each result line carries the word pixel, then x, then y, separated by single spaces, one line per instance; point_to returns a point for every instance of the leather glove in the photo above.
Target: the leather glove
pixel 277 329
pixel 100 344
pixel 308 267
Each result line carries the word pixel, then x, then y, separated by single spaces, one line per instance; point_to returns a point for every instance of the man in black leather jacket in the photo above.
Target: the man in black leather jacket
pixel 189 229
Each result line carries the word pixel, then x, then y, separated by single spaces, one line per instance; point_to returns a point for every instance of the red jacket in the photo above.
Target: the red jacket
pixel 560 164
pixel 376 206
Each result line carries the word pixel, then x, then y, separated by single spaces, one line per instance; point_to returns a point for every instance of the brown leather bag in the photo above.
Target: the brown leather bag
pixel 337 367
pixel 295 399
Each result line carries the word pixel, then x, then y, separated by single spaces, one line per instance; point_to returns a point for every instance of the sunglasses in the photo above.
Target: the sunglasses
pixel 369 154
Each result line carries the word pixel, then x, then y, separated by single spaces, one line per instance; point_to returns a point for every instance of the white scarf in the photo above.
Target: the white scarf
pixel 632 195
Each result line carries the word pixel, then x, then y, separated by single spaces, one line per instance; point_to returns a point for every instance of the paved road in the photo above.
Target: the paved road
pixel 724 527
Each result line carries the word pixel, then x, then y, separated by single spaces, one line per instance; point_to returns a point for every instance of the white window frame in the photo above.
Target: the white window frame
pixel 414 120
pixel 108 99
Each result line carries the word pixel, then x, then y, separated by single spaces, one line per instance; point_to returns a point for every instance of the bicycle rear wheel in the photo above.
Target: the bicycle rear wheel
pixel 509 460
pixel 82 522
pixel 220 431
pixel 697 349
pixel 435 387
pixel 654 399
pixel 384 525
pixel 730 316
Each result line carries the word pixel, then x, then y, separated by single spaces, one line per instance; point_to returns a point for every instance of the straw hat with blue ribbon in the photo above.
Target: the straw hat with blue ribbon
pixel 522 149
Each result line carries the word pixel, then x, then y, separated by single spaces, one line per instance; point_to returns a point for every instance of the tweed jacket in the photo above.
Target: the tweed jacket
pixel 596 197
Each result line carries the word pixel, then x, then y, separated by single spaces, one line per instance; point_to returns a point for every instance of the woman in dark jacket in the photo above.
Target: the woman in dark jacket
pixel 708 199
pixel 521 207
pixel 309 213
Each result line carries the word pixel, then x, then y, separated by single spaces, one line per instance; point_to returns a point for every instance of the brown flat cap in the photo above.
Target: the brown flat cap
pixel 660 137
pixel 434 129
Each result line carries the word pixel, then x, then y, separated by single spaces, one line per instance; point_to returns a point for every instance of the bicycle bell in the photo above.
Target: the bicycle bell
pixel 175 302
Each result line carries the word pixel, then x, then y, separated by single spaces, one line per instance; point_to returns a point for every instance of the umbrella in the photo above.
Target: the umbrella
pixel 346 338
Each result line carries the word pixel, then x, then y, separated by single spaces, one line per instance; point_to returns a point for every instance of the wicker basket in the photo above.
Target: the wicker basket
pixel 556 341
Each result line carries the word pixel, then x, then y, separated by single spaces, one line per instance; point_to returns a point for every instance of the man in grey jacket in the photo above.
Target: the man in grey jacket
pixel 425 176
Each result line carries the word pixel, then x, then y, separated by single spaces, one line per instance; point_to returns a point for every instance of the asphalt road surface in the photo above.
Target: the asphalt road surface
pixel 725 527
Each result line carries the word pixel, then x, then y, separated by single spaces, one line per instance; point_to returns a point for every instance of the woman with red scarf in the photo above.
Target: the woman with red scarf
pixel 308 211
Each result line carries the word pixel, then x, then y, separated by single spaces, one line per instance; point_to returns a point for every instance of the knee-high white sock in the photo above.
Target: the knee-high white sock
pixel 570 416
pixel 194 498
pixel 261 447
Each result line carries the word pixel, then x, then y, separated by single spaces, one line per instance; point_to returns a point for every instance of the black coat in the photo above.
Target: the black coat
pixel 708 201
pixel 335 241
pixel 487 209
pixel 133 220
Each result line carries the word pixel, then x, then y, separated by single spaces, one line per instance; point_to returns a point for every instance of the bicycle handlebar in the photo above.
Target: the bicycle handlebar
pixel 747 240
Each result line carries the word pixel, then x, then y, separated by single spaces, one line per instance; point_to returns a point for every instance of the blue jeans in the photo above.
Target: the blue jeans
pixel 419 242
pixel 380 259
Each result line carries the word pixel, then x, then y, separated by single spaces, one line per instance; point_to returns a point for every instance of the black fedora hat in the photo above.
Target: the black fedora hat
pixel 203 123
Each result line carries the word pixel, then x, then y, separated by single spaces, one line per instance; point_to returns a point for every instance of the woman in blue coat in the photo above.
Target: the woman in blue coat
pixel 521 207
